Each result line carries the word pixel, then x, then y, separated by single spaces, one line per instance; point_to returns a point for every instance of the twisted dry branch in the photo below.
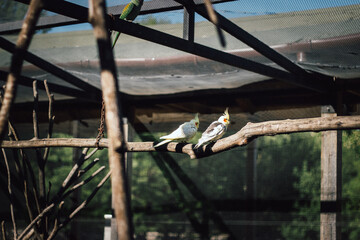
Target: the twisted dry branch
pixel 249 132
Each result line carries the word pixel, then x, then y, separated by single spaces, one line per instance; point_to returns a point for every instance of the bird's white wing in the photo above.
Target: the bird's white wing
pixel 177 134
pixel 214 131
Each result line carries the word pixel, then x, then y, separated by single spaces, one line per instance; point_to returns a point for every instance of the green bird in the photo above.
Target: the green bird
pixel 129 13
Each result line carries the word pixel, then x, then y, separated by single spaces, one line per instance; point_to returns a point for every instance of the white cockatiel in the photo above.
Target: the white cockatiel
pixel 183 133
pixel 215 130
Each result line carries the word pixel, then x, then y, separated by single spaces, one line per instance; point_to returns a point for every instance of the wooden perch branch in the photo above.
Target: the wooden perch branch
pixel 241 138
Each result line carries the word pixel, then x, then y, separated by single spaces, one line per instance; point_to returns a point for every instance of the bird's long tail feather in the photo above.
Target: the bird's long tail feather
pixel 198 145
pixel 162 143
pixel 115 39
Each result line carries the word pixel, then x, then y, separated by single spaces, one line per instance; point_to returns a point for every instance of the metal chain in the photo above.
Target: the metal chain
pixel 102 124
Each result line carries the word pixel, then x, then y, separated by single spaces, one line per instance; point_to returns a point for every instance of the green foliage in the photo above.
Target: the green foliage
pixel 308 186
pixel 278 156
pixel 153 200
pixel 151 20
pixel 288 167
pixel 11 10
pixel 305 223
pixel 351 184
pixel 59 164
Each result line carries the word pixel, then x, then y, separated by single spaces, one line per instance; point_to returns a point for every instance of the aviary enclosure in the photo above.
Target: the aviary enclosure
pixel 222 190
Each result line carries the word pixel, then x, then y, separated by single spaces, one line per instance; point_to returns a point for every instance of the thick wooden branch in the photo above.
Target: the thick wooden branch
pixel 241 138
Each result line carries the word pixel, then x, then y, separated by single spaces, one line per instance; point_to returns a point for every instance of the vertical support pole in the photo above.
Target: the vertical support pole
pixel 128 134
pixel 113 117
pixel 107 229
pixel 251 151
pixel 189 24
pixel 331 160
pixel 128 168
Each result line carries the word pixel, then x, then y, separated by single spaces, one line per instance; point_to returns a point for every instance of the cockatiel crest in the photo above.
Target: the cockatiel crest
pixel 183 133
pixel 215 130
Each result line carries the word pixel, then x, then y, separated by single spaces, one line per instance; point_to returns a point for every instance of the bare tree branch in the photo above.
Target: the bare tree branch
pixel 241 138
pixel 81 206
pixel 82 183
pixel 35 110
pixel 50 116
pixel 21 170
pixel 40 161
pixel 91 154
pixel 88 167
pixel 57 222
pixel 10 193
pixel 71 177
pixel 38 217
pixel 55 142
pixel 22 44
pixel 3 230
pixel 61 195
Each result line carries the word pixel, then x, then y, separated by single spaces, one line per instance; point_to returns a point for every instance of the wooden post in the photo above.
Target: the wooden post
pixel 107 229
pixel 331 158
pixel 128 170
pixel 114 124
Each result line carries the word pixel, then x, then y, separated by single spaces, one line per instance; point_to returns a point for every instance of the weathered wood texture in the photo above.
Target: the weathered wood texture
pixel 110 91
pixel 331 161
pixel 249 132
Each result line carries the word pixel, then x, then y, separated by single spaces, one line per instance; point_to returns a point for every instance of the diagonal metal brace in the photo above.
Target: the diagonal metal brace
pixel 81 13
pixel 250 40
pixel 93 92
